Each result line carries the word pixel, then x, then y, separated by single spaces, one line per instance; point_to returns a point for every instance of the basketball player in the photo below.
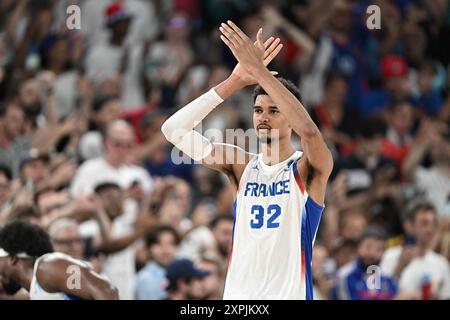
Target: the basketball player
pixel 27 261
pixel 279 193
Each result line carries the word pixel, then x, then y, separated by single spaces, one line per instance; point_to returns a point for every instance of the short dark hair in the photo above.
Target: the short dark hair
pixel 8 103
pixel 370 128
pixel 100 101
pixel 334 75
pixel 286 83
pixel 394 105
pixel 374 233
pixel 148 119
pixel 23 213
pixel 341 244
pixel 152 236
pixel 99 188
pixel 424 206
pixel 17 237
pixel 221 217
pixel 6 171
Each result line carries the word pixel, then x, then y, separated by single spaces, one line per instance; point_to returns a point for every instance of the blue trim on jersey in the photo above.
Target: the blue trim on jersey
pixel 71 297
pixel 234 216
pixel 310 223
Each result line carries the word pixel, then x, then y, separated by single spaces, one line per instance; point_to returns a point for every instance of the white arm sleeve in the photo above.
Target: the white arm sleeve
pixel 179 128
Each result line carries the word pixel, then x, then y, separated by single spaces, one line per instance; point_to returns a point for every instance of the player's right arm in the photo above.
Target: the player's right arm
pixel 74 278
pixel 179 128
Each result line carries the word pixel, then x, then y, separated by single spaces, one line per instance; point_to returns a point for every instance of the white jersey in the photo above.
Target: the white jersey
pixel 275 223
pixel 37 292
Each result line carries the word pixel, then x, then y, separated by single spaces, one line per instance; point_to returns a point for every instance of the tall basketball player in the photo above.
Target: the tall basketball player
pixel 27 261
pixel 279 193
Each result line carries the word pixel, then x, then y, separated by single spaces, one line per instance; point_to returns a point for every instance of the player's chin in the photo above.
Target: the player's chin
pixel 265 138
pixel 261 133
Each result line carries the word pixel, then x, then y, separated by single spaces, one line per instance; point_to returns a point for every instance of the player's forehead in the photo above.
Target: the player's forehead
pixel 263 100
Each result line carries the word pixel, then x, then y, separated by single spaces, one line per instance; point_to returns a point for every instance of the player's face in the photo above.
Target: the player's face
pixel 269 123
pixel 7 285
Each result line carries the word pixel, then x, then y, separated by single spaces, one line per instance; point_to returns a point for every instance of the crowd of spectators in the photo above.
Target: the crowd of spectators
pixel 82 154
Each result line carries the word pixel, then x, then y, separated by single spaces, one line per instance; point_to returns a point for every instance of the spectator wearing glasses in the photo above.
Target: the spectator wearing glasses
pixel 66 238
pixel 119 144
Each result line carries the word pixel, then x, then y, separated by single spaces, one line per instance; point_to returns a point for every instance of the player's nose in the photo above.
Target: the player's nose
pixel 264 117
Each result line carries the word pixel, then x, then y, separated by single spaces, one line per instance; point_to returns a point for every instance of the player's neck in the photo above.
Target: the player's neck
pixel 273 153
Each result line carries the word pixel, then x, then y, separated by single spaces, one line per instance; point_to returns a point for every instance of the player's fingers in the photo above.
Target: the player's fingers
pixel 230 41
pixel 268 42
pixel 238 31
pixel 226 32
pixel 272 47
pixel 259 41
pixel 230 33
pixel 229 44
pixel 226 41
pixel 273 54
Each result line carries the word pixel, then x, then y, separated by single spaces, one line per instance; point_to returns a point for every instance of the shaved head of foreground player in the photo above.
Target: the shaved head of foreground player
pixel 279 192
pixel 27 261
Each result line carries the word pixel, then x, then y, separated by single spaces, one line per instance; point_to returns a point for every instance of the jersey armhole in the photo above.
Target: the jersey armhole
pixel 298 178
pixel 253 157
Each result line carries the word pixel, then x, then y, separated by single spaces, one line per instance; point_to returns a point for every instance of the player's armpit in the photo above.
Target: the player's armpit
pixel 74 278
pixel 229 159
pixel 314 179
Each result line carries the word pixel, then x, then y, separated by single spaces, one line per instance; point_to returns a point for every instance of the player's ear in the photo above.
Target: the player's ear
pixel 13 260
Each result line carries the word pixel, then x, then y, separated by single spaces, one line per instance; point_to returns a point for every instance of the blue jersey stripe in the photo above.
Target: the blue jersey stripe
pixel 234 216
pixel 310 221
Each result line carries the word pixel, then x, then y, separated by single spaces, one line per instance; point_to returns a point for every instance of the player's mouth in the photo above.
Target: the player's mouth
pixel 263 127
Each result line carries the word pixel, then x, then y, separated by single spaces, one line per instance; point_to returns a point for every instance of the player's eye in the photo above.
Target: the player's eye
pixel 257 110
pixel 273 111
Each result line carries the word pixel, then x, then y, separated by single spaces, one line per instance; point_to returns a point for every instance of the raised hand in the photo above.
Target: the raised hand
pixel 250 55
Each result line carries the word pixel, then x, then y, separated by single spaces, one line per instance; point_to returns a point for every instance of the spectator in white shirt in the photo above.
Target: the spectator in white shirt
pixel 119 146
pixel 414 263
pixel 434 180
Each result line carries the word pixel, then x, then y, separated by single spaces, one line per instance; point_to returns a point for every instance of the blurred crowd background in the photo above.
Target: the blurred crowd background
pixel 82 154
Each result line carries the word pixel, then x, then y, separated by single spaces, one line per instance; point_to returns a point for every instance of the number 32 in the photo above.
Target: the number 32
pixel 273 212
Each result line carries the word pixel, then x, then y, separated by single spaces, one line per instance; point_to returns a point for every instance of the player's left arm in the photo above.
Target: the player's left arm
pixel 74 278
pixel 316 167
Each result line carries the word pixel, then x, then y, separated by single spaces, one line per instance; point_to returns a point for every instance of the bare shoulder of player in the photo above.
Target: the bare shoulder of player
pixel 229 159
pixel 54 267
